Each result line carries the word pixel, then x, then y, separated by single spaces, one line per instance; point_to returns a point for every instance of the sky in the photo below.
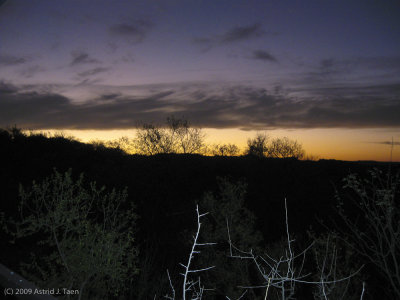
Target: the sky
pixel 326 73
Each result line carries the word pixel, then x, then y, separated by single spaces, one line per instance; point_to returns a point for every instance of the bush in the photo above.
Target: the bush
pixel 227 206
pixel 86 239
pixel 375 232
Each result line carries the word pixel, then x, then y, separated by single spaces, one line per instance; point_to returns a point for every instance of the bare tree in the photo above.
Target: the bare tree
pixel 257 146
pixel 186 139
pixel 285 148
pixel 176 137
pixel 152 139
pixel 225 150
pixel 277 148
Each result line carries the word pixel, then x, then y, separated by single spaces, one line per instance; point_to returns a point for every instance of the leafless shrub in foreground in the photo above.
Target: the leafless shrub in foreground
pixel 282 274
pixel 191 288
pixel 375 235
pixel 285 272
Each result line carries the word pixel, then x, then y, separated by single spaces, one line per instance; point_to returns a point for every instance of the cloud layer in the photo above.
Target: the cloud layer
pixel 133 32
pixel 233 35
pixel 11 60
pixel 233 106
pixel 241 33
pixel 264 55
pixel 80 57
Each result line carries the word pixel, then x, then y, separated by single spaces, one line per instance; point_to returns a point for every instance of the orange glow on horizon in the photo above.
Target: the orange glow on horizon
pixel 340 144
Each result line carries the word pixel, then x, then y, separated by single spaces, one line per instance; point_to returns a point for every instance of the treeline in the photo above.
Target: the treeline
pixel 178 136
pixel 114 231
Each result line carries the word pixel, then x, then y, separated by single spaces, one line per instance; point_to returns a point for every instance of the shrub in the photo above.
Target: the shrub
pixel 375 232
pixel 86 239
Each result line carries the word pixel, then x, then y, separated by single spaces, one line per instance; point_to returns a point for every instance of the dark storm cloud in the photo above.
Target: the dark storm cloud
pixel 216 107
pixel 264 55
pixel 80 57
pixel 134 32
pixel 11 60
pixel 92 72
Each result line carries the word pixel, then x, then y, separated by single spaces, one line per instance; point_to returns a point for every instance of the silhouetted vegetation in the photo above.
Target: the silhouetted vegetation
pixel 87 236
pixel 176 137
pixel 225 150
pixel 247 192
pixel 257 146
pixel 375 234
pixel 284 147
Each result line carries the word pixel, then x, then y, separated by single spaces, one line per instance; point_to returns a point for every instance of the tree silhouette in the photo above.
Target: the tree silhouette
pixel 152 139
pixel 285 148
pixel 224 150
pixel 176 137
pixel 257 146
pixel 277 148
pixel 185 138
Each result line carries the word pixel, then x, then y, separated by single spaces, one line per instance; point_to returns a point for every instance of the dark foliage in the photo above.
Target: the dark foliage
pixel 166 187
